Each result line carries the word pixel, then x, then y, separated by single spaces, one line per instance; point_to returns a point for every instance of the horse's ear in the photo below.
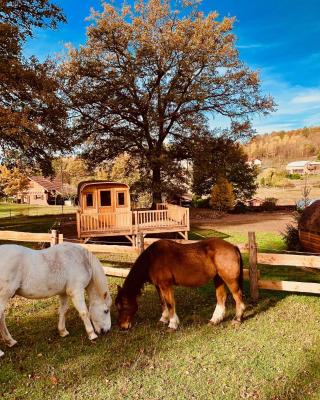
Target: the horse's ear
pixel 119 288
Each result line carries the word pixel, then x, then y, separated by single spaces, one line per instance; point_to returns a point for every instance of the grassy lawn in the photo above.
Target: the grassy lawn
pixel 265 240
pixel 288 196
pixel 273 355
pixel 8 210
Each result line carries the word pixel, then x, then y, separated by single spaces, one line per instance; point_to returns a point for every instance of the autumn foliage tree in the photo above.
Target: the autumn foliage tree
pixel 12 181
pixel 215 157
pixel 147 79
pixel 32 116
pixel 222 197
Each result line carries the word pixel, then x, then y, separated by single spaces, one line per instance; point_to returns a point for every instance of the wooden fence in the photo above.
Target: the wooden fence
pixel 255 258
pixel 53 238
pixel 252 274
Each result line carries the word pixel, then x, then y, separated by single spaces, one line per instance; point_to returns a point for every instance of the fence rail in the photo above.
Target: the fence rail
pixel 255 258
pixel 52 238
pixel 252 274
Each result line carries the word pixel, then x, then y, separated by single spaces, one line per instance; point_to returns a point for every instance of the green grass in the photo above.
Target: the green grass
pixel 273 355
pixel 9 210
pixel 29 224
pixel 265 240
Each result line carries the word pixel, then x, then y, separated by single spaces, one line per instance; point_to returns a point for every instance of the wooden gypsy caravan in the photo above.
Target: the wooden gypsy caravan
pixel 309 228
pixel 105 210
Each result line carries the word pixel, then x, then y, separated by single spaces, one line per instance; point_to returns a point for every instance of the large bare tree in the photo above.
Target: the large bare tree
pixel 147 78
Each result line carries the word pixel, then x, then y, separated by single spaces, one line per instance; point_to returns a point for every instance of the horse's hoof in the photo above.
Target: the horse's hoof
pixel 215 322
pixel 235 322
pixel 63 333
pixel 171 330
pixel 11 343
pixel 93 336
pixel 163 322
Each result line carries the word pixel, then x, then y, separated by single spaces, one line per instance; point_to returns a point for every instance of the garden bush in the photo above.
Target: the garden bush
pixel 198 202
pixel 269 204
pixel 294 176
pixel 291 234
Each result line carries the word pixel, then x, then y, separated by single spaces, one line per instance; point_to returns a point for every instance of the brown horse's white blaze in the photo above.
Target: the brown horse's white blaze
pixel 167 264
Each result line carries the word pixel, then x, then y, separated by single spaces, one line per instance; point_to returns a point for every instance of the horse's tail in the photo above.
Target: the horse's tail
pixel 98 276
pixel 240 279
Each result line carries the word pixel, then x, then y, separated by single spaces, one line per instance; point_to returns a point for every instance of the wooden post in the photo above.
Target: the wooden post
pixel 54 237
pixel 253 270
pixel 140 242
pixel 78 224
pixel 60 238
pixel 136 222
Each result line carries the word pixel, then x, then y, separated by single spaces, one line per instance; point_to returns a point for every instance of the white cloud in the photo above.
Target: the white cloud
pixel 297 106
pixel 309 96
pixel 250 46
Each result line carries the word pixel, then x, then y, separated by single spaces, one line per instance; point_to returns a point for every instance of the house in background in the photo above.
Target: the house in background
pixel 41 191
pixel 256 162
pixel 303 167
pixel 255 202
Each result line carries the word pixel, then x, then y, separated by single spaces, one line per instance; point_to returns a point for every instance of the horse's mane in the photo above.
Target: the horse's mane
pixel 139 274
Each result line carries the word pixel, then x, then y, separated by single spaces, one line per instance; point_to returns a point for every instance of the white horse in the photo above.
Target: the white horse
pixel 65 270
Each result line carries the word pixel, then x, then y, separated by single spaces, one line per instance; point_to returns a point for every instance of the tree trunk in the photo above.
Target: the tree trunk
pixel 156 186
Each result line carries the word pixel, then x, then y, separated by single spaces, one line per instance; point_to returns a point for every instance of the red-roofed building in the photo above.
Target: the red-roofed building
pixel 41 191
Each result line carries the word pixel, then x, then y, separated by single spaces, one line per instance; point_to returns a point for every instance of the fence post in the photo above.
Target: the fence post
pixel 140 242
pixel 136 222
pixel 60 238
pixel 253 270
pixel 78 224
pixel 54 237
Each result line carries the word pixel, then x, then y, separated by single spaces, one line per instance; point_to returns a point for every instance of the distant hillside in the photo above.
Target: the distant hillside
pixel 278 148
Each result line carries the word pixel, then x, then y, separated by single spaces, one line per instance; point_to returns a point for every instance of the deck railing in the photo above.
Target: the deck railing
pixel 161 218
pixel 136 221
pixel 106 222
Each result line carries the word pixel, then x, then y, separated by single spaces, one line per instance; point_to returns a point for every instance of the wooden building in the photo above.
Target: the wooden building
pixel 41 191
pixel 309 228
pixel 104 209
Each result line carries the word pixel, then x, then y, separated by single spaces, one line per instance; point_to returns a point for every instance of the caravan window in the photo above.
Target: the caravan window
pixel 120 199
pixel 105 198
pixel 89 200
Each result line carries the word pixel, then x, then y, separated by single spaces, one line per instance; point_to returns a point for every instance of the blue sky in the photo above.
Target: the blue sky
pixel 280 38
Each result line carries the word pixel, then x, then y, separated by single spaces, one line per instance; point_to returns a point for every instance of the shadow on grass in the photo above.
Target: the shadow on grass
pixel 41 354
pixel 200 234
pixel 36 224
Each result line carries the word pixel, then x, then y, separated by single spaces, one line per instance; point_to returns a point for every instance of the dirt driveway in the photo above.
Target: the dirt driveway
pixel 256 222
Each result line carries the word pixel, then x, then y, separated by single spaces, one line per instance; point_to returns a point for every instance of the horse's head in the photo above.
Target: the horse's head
pixel 127 307
pixel 99 310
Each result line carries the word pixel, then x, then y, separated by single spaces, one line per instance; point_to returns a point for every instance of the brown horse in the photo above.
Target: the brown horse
pixel 166 263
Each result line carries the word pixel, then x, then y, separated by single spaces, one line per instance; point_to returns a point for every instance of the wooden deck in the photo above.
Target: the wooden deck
pixel 167 218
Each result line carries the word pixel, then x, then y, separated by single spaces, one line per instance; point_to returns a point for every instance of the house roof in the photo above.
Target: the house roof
pixel 297 164
pixel 54 184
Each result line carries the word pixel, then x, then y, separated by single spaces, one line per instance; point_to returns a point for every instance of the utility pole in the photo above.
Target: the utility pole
pixel 61 171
